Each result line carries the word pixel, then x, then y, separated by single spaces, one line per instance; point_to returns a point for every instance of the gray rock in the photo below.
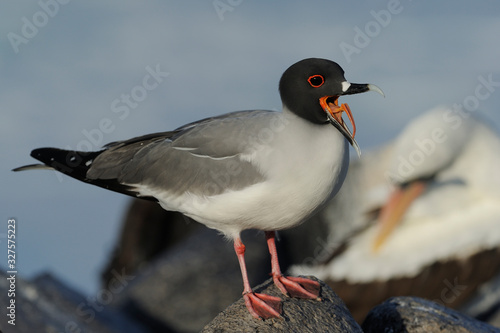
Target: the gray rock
pixel 485 305
pixel 147 231
pixel 299 315
pixel 416 315
pixel 494 318
pixel 48 305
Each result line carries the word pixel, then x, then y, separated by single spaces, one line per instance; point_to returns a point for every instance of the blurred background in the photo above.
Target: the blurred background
pixel 72 76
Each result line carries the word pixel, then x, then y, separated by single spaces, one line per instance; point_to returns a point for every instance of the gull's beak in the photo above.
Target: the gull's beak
pixel 334 111
pixel 358 88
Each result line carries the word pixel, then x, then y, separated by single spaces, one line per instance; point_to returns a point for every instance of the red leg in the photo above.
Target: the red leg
pixel 259 305
pixel 293 286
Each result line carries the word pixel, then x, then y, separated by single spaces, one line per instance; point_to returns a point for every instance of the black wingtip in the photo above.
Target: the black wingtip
pixel 69 162
pixel 76 164
pixel 45 155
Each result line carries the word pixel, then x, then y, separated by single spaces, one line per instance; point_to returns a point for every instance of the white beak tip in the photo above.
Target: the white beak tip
pixel 373 87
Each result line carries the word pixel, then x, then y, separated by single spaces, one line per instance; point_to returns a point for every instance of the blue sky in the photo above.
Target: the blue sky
pixel 64 84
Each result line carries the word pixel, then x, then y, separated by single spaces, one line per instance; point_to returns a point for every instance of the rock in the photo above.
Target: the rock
pixel 299 315
pixel 147 231
pixel 416 315
pixel 48 305
pixel 494 318
pixel 190 283
pixel 485 305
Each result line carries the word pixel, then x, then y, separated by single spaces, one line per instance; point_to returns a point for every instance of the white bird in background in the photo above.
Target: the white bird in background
pixel 439 188
pixel 452 154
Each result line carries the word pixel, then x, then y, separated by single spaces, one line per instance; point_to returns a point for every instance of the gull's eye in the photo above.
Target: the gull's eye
pixel 316 81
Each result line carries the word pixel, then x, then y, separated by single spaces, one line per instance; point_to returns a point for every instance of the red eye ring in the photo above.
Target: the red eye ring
pixel 316 81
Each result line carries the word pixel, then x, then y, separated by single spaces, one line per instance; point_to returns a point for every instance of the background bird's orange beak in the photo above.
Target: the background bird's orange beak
pixel 394 210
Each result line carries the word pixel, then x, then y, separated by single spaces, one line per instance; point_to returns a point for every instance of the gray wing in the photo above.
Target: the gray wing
pixel 204 158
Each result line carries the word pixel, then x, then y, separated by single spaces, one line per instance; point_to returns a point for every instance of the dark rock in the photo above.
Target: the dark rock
pixel 147 231
pixel 299 315
pixel 416 315
pixel 485 305
pixel 48 305
pixel 494 318
pixel 189 284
